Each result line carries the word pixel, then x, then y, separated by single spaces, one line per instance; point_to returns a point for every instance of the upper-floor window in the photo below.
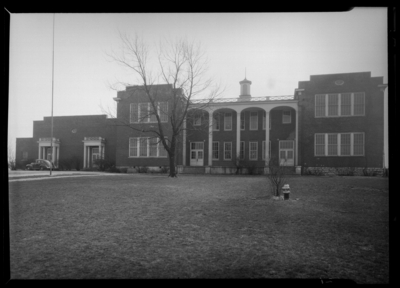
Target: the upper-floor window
pixel 242 120
pixel 216 122
pixel 339 144
pixel 228 121
pixel 145 113
pixel 254 120
pixel 286 117
pixel 197 120
pixel 340 104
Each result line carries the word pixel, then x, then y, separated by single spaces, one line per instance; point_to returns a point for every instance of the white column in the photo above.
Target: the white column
pixel 296 153
pixel 237 133
pixel 100 151
pixel 53 153
pixel 267 156
pixel 184 143
pixel 58 154
pixel 210 137
pixel 40 150
pixel 84 155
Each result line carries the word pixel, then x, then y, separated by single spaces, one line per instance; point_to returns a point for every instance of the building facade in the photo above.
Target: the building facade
pixel 330 121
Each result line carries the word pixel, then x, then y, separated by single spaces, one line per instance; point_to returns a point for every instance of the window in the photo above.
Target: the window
pixel 227 150
pixel 264 119
pixel 286 117
pixel 339 144
pixel 145 113
pixel 254 120
pixel 253 150
pixel 215 150
pixel 216 123
pixel 242 121
pixel 197 120
pixel 263 150
pixel 242 147
pixel 228 121
pixel 146 147
pixel 342 104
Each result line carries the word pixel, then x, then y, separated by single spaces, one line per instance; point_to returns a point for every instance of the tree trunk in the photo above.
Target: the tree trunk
pixel 172 168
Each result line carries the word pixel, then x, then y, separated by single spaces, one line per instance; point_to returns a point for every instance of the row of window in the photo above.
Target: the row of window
pixel 286 119
pixel 339 144
pixel 227 150
pixel 146 147
pixel 340 104
pixel 145 113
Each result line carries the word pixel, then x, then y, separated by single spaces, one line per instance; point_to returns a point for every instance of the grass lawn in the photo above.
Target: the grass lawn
pixel 198 226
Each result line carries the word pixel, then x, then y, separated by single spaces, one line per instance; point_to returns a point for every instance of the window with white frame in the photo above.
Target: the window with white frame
pixel 216 122
pixel 263 150
pixel 242 120
pixel 340 104
pixel 264 119
pixel 254 120
pixel 339 144
pixel 253 150
pixel 227 150
pixel 146 147
pixel 242 149
pixel 228 121
pixel 286 116
pixel 215 150
pixel 197 120
pixel 145 113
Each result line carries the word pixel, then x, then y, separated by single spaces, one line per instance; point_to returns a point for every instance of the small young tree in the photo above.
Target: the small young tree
pixel 277 175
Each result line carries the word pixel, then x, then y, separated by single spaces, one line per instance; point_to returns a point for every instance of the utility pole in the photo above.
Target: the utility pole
pixel 52 94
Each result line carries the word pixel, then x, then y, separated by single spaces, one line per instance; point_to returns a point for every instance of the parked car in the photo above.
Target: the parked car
pixel 39 164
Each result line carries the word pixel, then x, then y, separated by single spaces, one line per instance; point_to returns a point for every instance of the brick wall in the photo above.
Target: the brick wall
pixel 371 124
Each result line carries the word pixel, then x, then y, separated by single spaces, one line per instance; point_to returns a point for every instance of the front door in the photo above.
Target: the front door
pixel 196 153
pixel 48 154
pixel 95 155
pixel 286 153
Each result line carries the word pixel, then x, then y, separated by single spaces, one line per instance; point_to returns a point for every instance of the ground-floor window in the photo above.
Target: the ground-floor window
pixel 146 147
pixel 215 150
pixel 227 150
pixel 253 150
pixel 339 144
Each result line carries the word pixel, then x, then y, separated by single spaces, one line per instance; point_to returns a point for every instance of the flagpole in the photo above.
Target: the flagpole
pixel 52 96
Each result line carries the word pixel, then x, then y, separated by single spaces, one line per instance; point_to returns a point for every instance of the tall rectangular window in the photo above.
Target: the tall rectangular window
pixel 319 144
pixel 133 147
pixel 227 150
pixel 254 120
pixel 332 144
pixel 253 150
pixel 333 104
pixel 143 112
pixel 242 149
pixel 345 144
pixel 242 121
pixel 345 105
pixel 215 150
pixel 359 103
pixel 163 111
pixel 339 144
pixel 134 117
pixel 216 123
pixel 228 121
pixel 143 147
pixel 153 147
pixel 320 105
pixel 358 148
pixel 264 119
pixel 153 112
pixel 286 117
pixel 197 120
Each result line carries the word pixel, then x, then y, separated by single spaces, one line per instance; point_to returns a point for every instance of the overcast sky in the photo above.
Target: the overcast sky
pixel 277 50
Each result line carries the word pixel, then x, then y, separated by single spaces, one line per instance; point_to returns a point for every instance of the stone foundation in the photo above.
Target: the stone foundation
pixel 343 171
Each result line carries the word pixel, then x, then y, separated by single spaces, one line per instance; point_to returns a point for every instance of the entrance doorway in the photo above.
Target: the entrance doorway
pixel 196 153
pixel 286 153
pixel 95 154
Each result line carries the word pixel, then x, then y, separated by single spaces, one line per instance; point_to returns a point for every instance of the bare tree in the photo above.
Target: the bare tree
pixel 180 64
pixel 277 175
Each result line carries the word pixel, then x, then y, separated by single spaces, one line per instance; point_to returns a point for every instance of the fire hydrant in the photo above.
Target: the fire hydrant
pixel 286 191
